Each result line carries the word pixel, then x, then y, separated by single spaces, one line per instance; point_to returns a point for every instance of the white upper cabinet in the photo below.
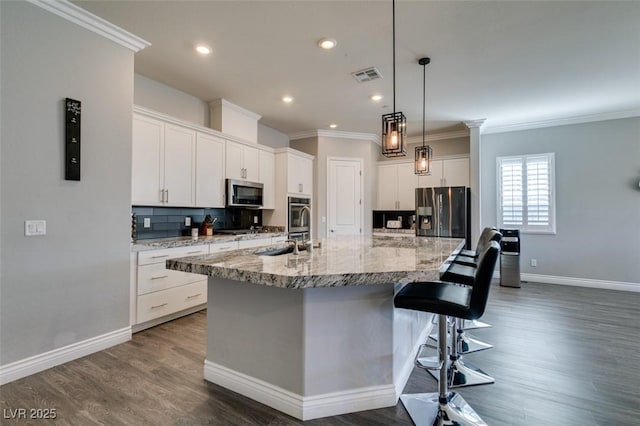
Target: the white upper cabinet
pixel 396 186
pixel 147 175
pixel 210 190
pixel 242 162
pixel 449 172
pixel 456 172
pixel 163 163
pixel 299 175
pixel 268 179
pixel 179 165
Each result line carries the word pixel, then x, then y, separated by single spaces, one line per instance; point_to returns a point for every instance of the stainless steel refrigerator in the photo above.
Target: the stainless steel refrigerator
pixel 442 212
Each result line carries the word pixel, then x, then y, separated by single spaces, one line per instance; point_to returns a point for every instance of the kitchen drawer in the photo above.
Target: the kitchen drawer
pixel 218 247
pixel 254 243
pixel 161 255
pixel 280 239
pixel 156 277
pixel 165 302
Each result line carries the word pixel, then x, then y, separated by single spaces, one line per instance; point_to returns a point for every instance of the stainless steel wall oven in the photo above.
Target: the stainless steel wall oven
pixel 299 221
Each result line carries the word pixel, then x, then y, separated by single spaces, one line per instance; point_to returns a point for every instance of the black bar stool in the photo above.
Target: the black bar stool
pixel 456 300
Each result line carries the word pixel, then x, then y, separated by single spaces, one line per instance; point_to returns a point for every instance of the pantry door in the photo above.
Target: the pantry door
pixel 344 196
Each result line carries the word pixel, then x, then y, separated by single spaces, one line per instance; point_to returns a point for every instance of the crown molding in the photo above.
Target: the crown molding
pixel 371 137
pixel 91 22
pixel 475 123
pixel 563 121
pixel 438 136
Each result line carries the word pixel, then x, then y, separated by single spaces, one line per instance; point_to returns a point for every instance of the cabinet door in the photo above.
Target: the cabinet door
pixel 435 179
pixel 268 179
pixel 407 183
pixel 456 172
pixel 179 165
pixel 233 164
pixel 209 171
pixel 251 163
pixel 299 175
pixel 147 176
pixel 387 187
pixel 306 175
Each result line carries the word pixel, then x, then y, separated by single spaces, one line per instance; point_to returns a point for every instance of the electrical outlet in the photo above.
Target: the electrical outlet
pixel 534 262
pixel 33 228
pixel 324 219
pixel 255 220
pixel 147 222
pixel 187 221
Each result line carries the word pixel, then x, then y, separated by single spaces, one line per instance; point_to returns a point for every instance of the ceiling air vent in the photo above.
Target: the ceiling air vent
pixel 367 74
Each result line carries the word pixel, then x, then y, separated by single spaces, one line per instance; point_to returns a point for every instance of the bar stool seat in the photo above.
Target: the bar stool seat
pixel 448 299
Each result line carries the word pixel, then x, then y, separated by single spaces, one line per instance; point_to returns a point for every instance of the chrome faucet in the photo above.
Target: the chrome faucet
pixel 302 210
pixel 295 245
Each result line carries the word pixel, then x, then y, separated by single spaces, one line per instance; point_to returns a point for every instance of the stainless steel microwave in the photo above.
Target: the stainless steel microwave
pixel 241 193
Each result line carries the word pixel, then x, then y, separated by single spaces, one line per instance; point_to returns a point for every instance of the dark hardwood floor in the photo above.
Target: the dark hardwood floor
pixel 562 356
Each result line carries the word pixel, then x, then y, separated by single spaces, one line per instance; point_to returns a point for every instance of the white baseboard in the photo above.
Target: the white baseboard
pixel 582 282
pixel 407 368
pixel 576 282
pixel 298 406
pixel 28 366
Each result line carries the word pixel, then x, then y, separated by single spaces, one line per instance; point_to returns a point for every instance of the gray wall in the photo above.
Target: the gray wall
pixel 73 283
pixel 597 198
pixel 441 148
pixel 324 147
pixel 160 97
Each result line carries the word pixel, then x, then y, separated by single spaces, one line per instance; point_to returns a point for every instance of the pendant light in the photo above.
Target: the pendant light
pixel 394 125
pixel 423 153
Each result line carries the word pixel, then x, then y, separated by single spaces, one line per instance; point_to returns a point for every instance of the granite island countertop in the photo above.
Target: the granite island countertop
pixel 160 243
pixel 341 261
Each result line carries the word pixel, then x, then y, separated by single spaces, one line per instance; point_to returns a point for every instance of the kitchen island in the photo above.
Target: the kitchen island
pixel 316 334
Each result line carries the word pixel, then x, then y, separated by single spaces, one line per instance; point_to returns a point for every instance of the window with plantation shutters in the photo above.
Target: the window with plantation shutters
pixel 525 193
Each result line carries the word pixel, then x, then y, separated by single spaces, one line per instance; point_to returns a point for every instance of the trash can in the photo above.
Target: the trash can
pixel 510 258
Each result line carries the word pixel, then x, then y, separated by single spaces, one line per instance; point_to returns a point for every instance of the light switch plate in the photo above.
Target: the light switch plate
pixel 34 228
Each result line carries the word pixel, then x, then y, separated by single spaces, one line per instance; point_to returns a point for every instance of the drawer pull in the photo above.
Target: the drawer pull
pixel 160 277
pixel 224 248
pixel 159 306
pixel 195 251
pixel 194 296
pixel 158 257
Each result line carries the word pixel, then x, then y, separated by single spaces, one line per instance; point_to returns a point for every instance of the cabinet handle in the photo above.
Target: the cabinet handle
pixel 159 306
pixel 194 252
pixel 160 256
pixel 167 195
pixel 299 187
pixel 224 248
pixel 194 296
pixel 160 277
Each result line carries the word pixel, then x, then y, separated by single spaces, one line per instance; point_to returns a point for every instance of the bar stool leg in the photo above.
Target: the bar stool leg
pixel 442 408
pixel 461 372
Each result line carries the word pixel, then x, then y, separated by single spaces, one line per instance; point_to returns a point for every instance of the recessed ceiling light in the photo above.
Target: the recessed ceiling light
pixel 327 43
pixel 376 97
pixel 287 99
pixel 202 49
pixel 333 126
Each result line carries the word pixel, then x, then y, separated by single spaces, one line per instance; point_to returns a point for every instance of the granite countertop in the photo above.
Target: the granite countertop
pixel 394 231
pixel 341 261
pixel 155 244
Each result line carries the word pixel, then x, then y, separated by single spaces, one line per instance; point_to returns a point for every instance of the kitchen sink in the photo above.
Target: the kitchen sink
pixel 274 251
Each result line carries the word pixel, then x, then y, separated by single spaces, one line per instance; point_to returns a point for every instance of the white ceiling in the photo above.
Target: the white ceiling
pixel 509 62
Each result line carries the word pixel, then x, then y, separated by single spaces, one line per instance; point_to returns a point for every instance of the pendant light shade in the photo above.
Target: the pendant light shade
pixel 423 153
pixel 394 125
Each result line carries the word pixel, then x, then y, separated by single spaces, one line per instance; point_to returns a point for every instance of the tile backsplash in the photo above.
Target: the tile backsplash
pixel 170 221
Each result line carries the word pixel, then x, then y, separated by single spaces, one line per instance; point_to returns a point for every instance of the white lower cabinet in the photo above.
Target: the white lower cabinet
pixel 164 292
pixel 169 301
pixel 257 242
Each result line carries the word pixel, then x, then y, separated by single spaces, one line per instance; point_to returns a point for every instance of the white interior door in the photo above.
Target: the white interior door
pixel 344 197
